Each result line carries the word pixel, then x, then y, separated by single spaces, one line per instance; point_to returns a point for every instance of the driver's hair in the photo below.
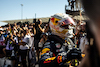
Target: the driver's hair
pixel 92 9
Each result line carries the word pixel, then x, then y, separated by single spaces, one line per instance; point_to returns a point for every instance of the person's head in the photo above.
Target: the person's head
pixel 26 25
pixel 9 25
pixel 92 9
pixel 61 24
pixel 40 21
pixel 1 32
pixel 14 34
pixel 18 35
pixel 22 34
pixel 18 26
pixel 83 24
pixel 27 31
pixel 15 24
pixel 44 35
pixel 10 37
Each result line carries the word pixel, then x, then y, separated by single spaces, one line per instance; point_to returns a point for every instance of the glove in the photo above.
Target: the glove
pixel 74 53
pixel 71 54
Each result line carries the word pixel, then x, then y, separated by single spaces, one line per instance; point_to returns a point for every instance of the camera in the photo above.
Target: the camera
pixel 38 22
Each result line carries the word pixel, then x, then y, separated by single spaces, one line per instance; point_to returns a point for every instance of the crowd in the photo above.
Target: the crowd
pixel 32 36
pixel 22 36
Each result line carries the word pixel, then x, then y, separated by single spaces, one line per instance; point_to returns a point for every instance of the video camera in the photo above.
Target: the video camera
pixel 36 22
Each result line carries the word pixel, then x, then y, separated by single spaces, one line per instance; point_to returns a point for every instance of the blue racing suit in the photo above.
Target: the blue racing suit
pixel 54 52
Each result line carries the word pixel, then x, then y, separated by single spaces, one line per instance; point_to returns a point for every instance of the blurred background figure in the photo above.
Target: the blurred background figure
pixel 92 58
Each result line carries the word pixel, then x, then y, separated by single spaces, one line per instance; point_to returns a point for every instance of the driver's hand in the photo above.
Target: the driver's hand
pixel 73 54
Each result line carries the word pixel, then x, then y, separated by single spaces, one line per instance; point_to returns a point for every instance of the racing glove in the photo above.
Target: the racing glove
pixel 69 55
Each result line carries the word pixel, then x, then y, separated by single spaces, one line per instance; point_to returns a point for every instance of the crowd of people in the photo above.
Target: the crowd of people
pixel 22 36
pixel 32 36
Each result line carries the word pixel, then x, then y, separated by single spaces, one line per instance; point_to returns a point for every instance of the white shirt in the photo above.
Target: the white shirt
pixel 83 42
pixel 9 46
pixel 16 39
pixel 2 40
pixel 30 41
pixel 24 47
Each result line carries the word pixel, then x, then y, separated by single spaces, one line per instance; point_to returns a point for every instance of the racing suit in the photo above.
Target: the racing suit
pixel 54 52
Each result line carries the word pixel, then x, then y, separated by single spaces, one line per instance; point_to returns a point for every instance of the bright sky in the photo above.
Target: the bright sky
pixel 11 9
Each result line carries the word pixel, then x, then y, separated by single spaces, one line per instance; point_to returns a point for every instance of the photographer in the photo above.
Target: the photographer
pixel 1 37
pixel 9 45
pixel 9 49
pixel 37 32
pixel 2 40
